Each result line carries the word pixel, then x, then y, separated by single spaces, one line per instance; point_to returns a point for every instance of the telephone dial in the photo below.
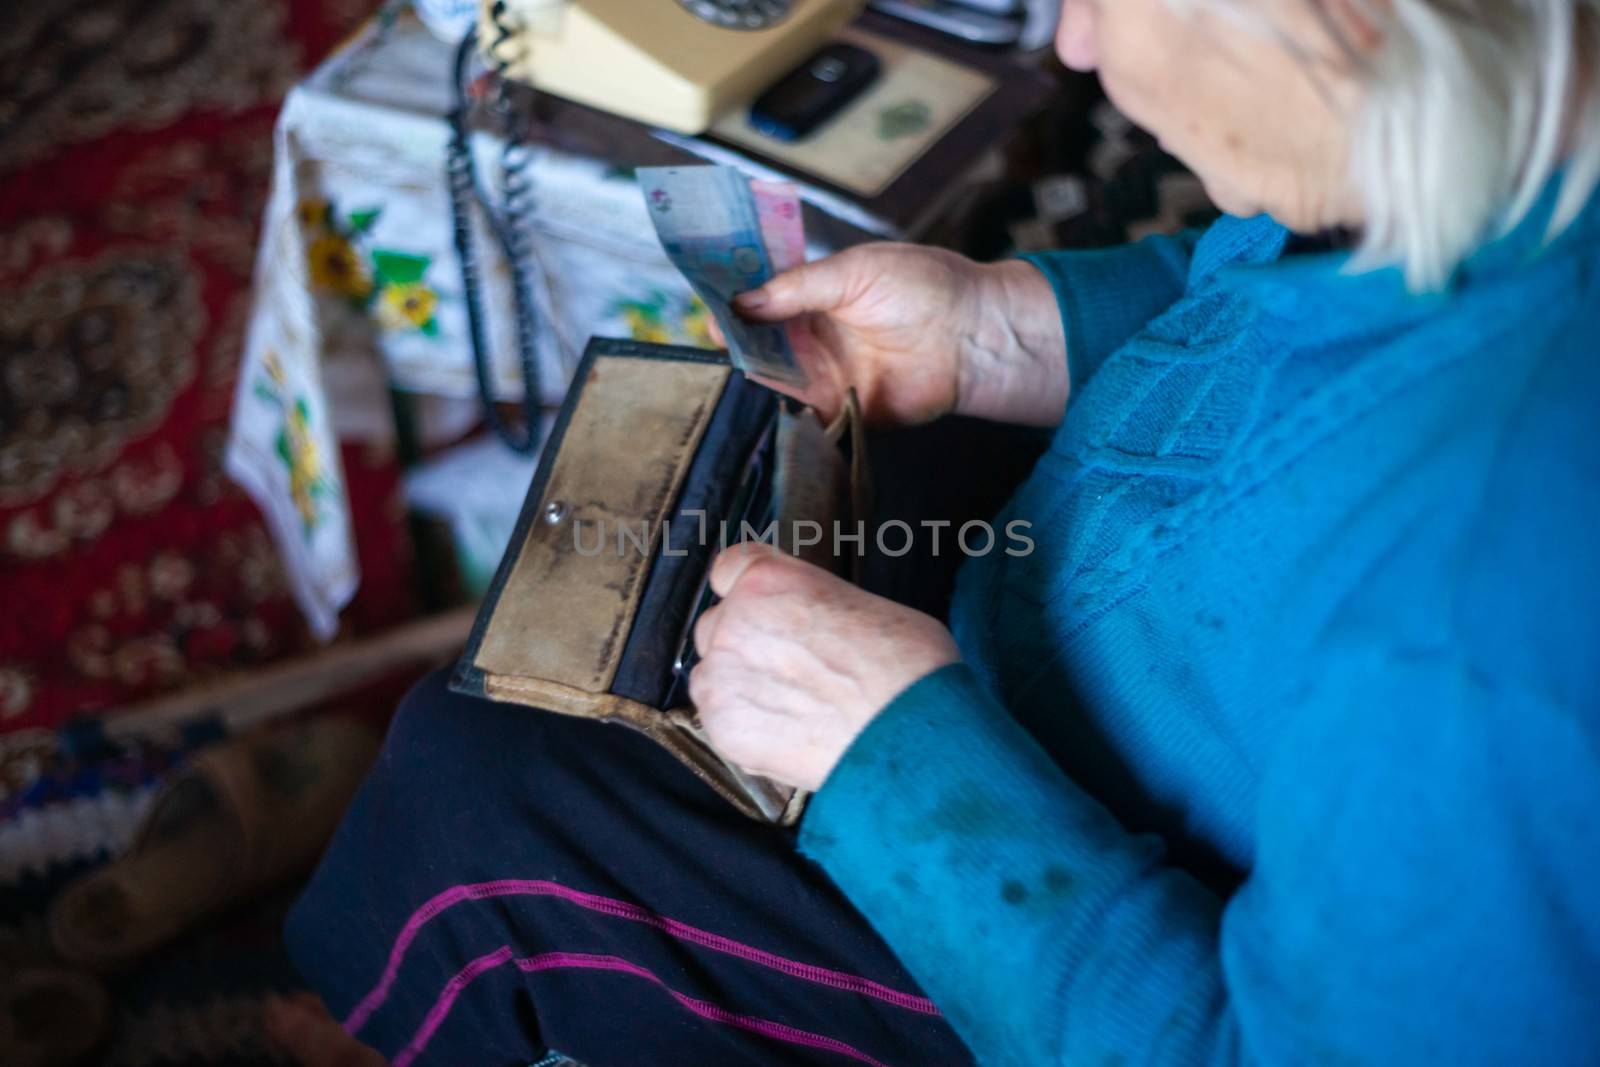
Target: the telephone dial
pixel 672 63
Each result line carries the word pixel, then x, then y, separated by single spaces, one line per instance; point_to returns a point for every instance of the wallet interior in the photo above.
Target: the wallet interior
pixel 659 457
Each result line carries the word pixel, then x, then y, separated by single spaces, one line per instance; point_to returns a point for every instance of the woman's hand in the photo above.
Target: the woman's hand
pixel 921 332
pixel 795 662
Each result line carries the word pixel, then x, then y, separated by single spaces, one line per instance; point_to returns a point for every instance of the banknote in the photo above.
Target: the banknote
pixel 783 230
pixel 711 226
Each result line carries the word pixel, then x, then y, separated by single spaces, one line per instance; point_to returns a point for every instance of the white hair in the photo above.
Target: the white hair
pixel 1470 108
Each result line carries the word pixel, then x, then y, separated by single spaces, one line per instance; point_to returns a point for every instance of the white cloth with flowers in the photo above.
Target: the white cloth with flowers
pixel 358 288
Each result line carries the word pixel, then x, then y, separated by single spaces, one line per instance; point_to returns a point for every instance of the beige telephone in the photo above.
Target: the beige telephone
pixel 672 63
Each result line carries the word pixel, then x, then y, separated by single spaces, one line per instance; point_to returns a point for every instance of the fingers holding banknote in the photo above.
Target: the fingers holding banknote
pixel 920 333
pixel 877 317
pixel 826 379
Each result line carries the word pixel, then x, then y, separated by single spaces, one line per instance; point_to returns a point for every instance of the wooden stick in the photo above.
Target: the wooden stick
pixel 243 701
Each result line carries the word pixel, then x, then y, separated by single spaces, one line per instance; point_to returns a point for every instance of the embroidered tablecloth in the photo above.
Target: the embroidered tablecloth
pixel 357 280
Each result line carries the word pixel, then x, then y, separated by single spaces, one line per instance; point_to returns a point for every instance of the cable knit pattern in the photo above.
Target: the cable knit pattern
pixel 1282 745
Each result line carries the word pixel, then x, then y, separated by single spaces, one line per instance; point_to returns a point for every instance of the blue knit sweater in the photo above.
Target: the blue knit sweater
pixel 1283 746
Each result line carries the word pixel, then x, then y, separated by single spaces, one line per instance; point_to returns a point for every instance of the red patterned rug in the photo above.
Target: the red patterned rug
pixel 135 150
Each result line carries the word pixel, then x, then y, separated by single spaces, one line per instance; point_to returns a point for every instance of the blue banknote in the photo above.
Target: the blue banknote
pixel 709 224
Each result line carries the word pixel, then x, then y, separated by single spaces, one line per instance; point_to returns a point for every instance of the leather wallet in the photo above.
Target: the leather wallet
pixel 659 457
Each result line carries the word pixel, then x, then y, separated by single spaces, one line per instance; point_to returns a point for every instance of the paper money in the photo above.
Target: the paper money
pixel 727 239
pixel 783 230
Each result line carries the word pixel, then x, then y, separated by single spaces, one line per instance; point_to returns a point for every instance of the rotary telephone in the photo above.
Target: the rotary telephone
pixel 671 63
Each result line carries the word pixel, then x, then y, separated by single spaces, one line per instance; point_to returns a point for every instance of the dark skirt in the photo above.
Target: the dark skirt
pixel 510 882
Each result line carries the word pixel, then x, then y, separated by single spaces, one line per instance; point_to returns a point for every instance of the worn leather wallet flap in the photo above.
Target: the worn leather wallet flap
pixel 561 616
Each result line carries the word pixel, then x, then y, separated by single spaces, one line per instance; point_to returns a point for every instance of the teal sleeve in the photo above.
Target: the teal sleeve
pixel 1107 294
pixel 1399 910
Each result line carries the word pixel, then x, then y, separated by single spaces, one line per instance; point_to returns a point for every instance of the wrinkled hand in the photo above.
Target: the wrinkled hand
pixel 795 662
pixel 919 333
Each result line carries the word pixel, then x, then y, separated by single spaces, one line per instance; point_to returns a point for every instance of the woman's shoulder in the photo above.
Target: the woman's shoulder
pixel 1529 596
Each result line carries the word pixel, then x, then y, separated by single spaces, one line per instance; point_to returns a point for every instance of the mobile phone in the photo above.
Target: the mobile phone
pixel 814 92
pixel 974 27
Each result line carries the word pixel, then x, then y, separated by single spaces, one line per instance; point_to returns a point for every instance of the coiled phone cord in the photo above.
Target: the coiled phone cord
pixel 509 229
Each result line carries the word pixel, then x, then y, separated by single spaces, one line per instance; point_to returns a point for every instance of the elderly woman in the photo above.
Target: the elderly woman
pixel 1282 745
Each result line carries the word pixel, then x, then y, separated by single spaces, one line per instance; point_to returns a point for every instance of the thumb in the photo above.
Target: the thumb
pixel 821 286
pixel 731 563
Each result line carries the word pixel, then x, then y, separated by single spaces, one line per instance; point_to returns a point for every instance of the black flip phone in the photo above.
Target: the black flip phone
pixel 813 92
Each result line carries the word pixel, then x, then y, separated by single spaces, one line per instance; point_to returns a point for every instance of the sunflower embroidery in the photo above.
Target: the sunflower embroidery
pixel 409 306
pixel 336 268
pixel 297 448
pixel 335 264
pixel 405 301
pixel 644 323
pixel 295 445
pixel 697 324
pixel 665 319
